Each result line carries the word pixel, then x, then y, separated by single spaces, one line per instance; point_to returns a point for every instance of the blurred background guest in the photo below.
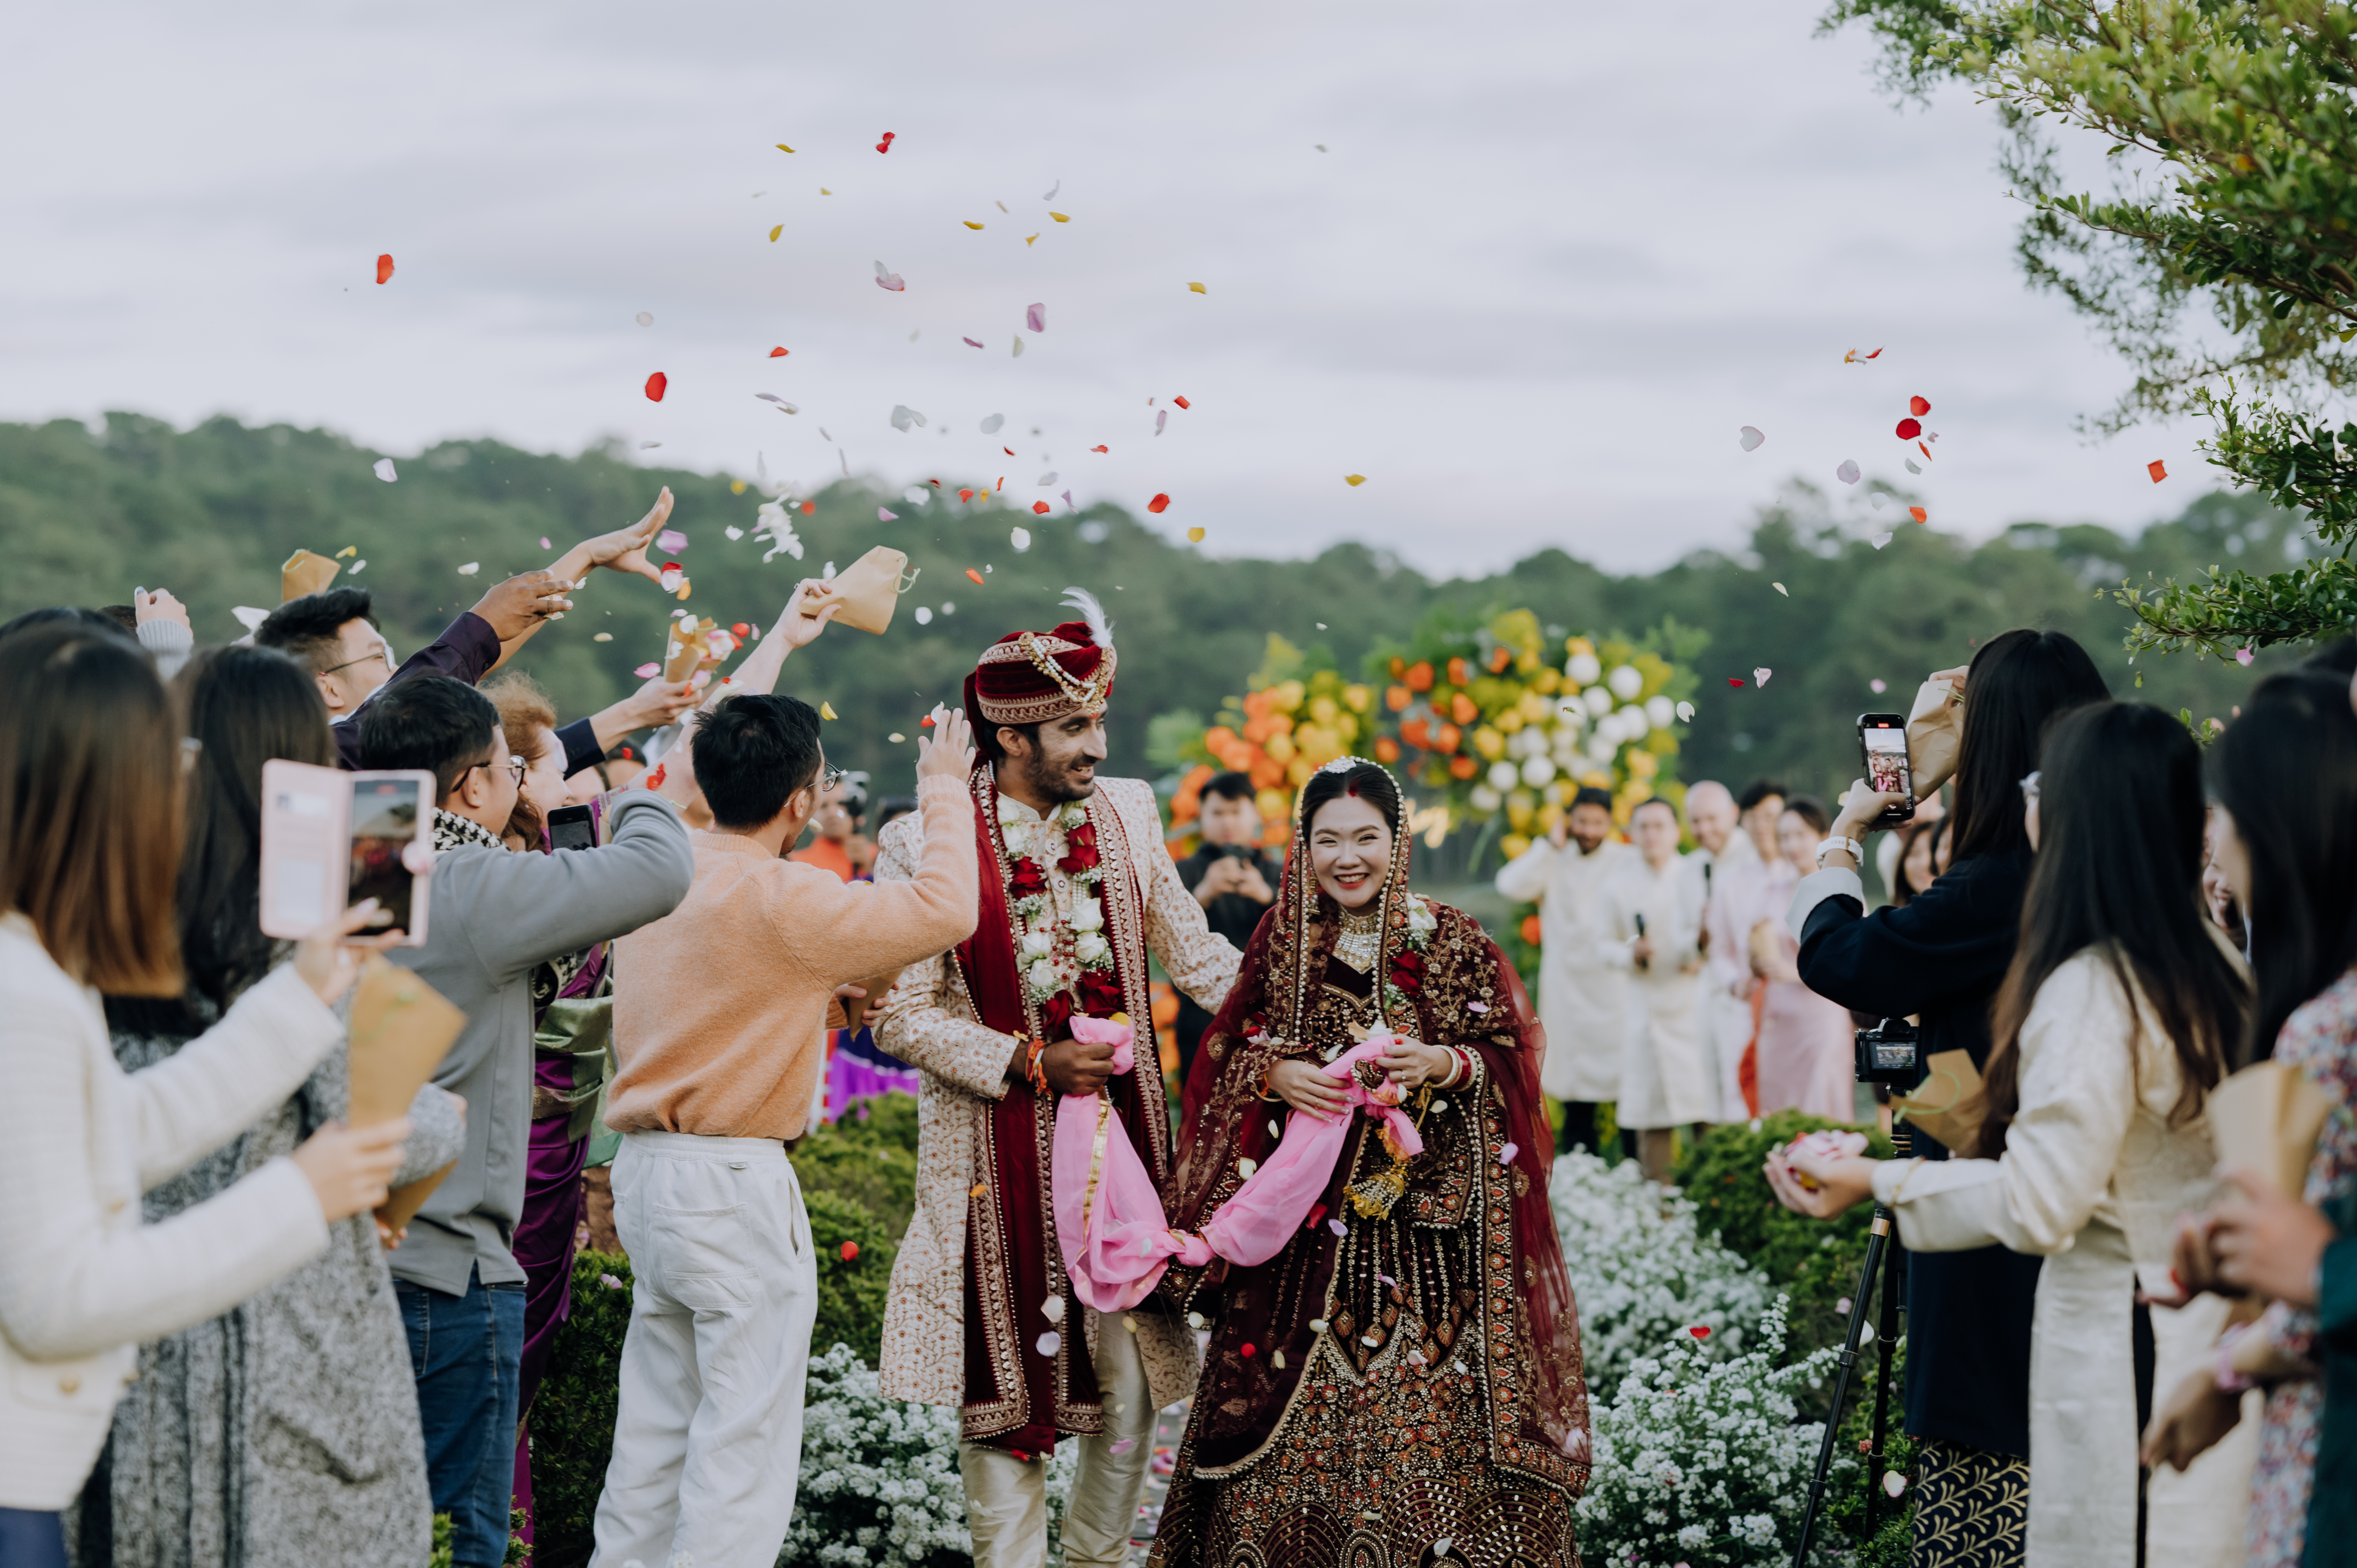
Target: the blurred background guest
pixel 1750 888
pixel 1806 1054
pixel 1583 999
pixel 835 825
pixel 1233 878
pixel 1653 922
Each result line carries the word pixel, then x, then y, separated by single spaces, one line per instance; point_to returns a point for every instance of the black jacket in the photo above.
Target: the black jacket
pixel 1942 957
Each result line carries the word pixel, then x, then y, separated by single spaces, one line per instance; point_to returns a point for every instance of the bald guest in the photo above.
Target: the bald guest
pixel 1711 820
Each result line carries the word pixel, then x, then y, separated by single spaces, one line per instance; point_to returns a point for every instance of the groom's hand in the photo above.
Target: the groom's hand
pixel 1077 1067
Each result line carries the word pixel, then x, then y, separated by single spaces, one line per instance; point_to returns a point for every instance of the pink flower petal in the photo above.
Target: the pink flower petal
pixel 1878 685
pixel 1160 419
pixel 2243 656
pixel 647 671
pixel 1759 675
pixel 1337 1227
pixel 969 342
pixel 1848 473
pixel 1035 318
pixel 1049 1343
pixel 884 516
pixel 1750 438
pixel 671 541
pixel 1124 1446
pixel 1506 1155
pixel 544 545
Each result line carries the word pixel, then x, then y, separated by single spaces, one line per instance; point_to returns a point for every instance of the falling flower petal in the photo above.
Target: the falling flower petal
pixel 645 670
pixel 1912 467
pixel 2243 656
pixel 1893 1483
pixel 809 508
pixel 1182 403
pixel 1246 1167
pixel 978 1188
pixel 1197 288
pixel 2157 470
pixel 1338 1229
pixel 1686 713
pixel 965 494
pixel 969 342
pixel 1926 450
pixel 1750 438
pixel 1733 680
pixel 1878 685
pixel 1067 496
pixel 886 145
pixel 971 223
pixel 1126 1444
pixel 358 567
pixel 1909 429
pixel 1017 352
pixel 1048 478
pixel 990 425
pixel 1848 473
pixel 778 353
pixel 385 267
pixel 1506 1155
pixel 783 148
pixel 385 470
pixel 1194 536
pixel 1052 1309
pixel 1354 480
pixel 656 386
pixel 1038 507
pixel 671 541
pixel 1161 418
pixel 1050 1342
pixel 1160 502
pixel 888 279
pixel 1026 239
pixel 1035 318
pixel 977 576
pixel 1882 539
pixel 1247 1349
pixel 470 568
pixel 781 228
pixel 1700 1331
pixel 1918 514
pixel 1782 589
pixel 826 710
pixel 544 543
pixel 1020 537
pixel 1051 192
pixel 1100 448
pixel 882 515
pixel 1853 357
pixel 924 617
pixel 1918 406
pixel 850 1250
pixel 603 636
pixel 1879 500
pixel 1759 675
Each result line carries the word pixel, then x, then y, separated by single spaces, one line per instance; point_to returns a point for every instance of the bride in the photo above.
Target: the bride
pixel 1400 1385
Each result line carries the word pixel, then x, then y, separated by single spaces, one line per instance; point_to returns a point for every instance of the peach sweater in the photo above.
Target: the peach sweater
pixel 720 1007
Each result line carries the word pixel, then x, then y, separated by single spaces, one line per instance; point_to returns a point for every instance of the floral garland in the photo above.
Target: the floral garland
pixel 1415 923
pixel 1066 968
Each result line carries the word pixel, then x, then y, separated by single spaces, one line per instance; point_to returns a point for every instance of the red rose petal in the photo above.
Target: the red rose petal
pixel 654 780
pixel 385 267
pixel 851 1250
pixel 739 629
pixel 1100 448
pixel 927 723
pixel 2157 470
pixel 1909 429
pixel 1159 503
pixel 1700 1331
pixel 809 508
pixel 886 145
pixel 1919 406
pixel 656 385
pixel 977 577
pixel 1039 507
pixel 965 494
pixel 1734 680
pixel 1918 514
pixel 1247 1350
pixel 1008 450
pixel 1182 403
pixel 777 353
pixel 1925 450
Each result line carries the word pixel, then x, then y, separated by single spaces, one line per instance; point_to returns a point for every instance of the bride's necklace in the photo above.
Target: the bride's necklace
pixel 1361 939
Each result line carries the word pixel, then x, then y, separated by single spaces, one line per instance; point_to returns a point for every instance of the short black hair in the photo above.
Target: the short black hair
pixel 985 739
pixel 1809 810
pixel 893 806
pixel 1660 800
pixel 1589 795
pixel 432 722
pixel 752 753
pixel 308 627
pixel 1232 786
pixel 63 615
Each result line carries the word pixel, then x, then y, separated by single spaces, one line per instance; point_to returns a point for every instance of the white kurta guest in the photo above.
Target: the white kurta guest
pixel 1741 895
pixel 1582 998
pixel 1667 1078
pixel 2093 1176
pixel 1726 1014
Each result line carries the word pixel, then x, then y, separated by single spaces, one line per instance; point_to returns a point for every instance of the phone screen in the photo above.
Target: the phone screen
pixel 569 828
pixel 1883 738
pixel 384 823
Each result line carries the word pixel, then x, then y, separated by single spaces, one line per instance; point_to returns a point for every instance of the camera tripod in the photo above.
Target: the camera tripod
pixel 1883 1252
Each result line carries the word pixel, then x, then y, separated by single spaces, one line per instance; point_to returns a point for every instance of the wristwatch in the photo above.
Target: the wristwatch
pixel 1857 851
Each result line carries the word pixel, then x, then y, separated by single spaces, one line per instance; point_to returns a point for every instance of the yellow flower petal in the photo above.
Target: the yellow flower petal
pixel 775 233
pixel 1059 217
pixel 824 191
pixel 971 223
pixel 783 148
pixel 1197 288
pixel 826 710
pixel 1354 480
pixel 603 636
pixel 348 550
pixel 1028 238
pixel 1194 536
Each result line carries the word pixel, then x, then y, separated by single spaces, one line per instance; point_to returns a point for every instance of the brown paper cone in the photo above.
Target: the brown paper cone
pixel 2266 1118
pixel 1947 1105
pixel 401 1206
pixel 856 1008
pixel 867 590
pixel 402 1029
pixel 305 572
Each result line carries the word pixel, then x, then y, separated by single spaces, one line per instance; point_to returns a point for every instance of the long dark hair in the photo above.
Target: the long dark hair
pixel 1363 779
pixel 244 706
pixel 2285 771
pixel 2017 681
pixel 2119 869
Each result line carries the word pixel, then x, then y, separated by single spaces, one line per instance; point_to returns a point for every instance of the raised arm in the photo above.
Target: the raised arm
pixel 529 907
pixel 916 1020
pixel 846 932
pixel 759 674
pixel 1524 878
pixel 1954 936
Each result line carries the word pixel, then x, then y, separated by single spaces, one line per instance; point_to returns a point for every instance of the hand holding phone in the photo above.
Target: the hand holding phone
pixel 1882 745
pixel 331 840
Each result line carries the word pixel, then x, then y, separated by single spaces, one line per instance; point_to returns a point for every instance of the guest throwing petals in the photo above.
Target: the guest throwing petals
pixel 982 1313
pixel 1401 1384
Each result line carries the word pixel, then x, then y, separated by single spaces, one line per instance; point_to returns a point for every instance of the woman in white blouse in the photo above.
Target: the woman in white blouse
pixel 90 765
pixel 2112 1026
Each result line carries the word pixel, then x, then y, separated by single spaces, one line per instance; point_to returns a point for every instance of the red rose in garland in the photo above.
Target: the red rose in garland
pixel 1081 850
pixel 1025 880
pixel 1407 971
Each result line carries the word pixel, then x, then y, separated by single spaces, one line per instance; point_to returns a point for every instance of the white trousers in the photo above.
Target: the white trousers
pixel 708 1434
pixel 1006 1497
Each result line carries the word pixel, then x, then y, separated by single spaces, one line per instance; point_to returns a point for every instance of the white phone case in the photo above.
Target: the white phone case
pixel 308 848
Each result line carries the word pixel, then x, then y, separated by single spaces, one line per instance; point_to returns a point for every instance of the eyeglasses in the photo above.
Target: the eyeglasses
pixel 2030 790
pixel 363 658
pixel 516 768
pixel 830 778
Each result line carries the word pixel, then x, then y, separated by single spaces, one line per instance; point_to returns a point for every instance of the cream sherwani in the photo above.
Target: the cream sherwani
pixel 1668 1077
pixel 2093 1176
pixel 927 1022
pixel 1724 1002
pixel 1582 998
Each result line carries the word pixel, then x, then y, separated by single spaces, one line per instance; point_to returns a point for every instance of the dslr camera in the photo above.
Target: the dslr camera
pixel 1889 1053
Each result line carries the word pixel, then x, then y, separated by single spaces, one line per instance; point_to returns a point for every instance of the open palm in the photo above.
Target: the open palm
pixel 625 549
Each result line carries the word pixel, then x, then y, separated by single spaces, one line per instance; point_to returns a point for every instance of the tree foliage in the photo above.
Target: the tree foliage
pixel 2236 135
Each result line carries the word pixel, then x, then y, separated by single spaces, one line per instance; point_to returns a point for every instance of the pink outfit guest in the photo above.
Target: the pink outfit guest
pixel 1805 1041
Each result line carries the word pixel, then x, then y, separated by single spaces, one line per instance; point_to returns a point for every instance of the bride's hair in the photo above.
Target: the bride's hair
pixel 1363 779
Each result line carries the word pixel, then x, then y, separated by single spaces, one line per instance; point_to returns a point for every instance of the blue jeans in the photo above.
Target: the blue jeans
pixel 465 1352
pixel 31 1539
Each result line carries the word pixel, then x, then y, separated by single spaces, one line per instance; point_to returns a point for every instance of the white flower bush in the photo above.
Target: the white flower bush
pixel 879 1483
pixel 1702 1463
pixel 1643 1269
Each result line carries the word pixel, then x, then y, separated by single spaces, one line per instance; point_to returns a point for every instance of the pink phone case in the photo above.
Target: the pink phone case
pixel 324 831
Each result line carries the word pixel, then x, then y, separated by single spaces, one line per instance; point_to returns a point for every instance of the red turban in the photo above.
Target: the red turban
pixel 1031 677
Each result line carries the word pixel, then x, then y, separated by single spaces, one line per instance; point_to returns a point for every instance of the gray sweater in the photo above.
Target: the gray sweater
pixel 495 914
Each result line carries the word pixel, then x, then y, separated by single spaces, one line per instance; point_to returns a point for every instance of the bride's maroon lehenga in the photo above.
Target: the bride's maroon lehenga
pixel 1408 1391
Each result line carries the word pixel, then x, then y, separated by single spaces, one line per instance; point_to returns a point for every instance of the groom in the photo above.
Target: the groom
pixel 1075 889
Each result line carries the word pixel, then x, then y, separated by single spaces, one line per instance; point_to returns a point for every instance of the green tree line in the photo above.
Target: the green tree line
pixel 88 514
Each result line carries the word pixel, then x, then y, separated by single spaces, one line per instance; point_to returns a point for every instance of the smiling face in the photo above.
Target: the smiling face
pixel 1798 839
pixel 544 781
pixel 1063 765
pixel 1349 850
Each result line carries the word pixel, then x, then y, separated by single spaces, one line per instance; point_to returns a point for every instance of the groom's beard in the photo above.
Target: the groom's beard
pixel 1053 780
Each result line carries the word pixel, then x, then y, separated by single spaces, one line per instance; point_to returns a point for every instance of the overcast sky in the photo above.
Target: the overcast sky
pixel 1553 256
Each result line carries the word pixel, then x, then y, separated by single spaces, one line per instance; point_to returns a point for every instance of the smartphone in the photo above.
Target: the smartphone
pixel 1882 745
pixel 330 839
pixel 569 827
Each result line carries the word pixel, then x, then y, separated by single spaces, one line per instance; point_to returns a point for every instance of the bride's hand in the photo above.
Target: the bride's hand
pixel 1302 1086
pixel 1412 1064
